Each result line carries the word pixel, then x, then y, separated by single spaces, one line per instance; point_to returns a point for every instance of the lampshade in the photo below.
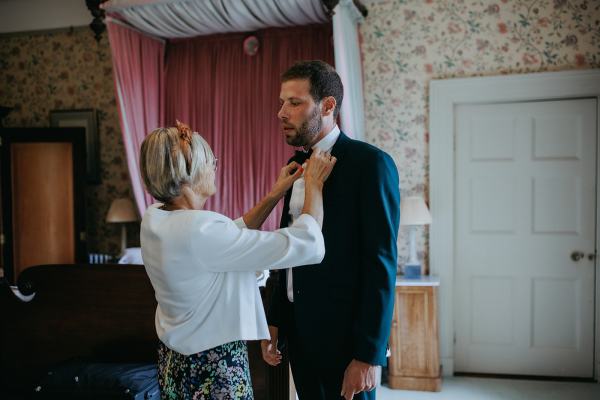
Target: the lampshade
pixel 121 210
pixel 413 211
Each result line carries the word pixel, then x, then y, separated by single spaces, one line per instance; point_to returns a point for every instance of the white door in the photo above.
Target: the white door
pixel 525 201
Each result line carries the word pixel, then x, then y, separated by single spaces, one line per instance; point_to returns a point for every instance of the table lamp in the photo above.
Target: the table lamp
pixel 413 212
pixel 122 211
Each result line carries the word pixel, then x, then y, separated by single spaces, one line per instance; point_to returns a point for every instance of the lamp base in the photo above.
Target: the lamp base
pixel 123 240
pixel 412 271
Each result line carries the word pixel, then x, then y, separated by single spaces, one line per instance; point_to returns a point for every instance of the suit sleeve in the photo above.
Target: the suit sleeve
pixel 379 220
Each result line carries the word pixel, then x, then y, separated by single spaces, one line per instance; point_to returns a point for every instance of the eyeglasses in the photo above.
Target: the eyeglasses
pixel 214 164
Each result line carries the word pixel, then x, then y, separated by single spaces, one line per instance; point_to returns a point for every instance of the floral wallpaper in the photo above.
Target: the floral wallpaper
pixel 65 70
pixel 406 43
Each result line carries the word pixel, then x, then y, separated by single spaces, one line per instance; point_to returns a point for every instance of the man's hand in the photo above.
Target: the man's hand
pixel 359 377
pixel 270 354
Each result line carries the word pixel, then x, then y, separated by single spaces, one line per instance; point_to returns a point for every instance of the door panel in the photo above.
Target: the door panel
pixel 525 200
pixel 42 198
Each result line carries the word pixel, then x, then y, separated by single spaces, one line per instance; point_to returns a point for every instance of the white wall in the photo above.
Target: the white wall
pixel 32 15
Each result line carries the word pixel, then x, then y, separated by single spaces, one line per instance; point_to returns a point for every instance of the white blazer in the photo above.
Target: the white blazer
pixel 202 267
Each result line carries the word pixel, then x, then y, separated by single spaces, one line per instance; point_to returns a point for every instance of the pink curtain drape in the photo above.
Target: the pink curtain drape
pixel 138 64
pixel 232 100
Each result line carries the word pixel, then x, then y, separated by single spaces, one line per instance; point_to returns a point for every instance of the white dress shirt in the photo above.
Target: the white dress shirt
pixel 297 199
pixel 202 267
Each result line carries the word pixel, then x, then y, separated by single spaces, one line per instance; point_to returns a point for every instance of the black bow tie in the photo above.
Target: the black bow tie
pixel 302 156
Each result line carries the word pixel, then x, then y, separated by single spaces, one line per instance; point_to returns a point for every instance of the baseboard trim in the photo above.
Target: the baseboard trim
pixel 525 377
pixel 413 383
pixel 447 366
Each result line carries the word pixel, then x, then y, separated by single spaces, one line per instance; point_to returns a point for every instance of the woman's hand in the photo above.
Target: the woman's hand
pixel 318 167
pixel 316 173
pixel 259 213
pixel 288 175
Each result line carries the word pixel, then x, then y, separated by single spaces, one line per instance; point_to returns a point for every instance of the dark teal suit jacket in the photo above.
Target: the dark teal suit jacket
pixel 343 306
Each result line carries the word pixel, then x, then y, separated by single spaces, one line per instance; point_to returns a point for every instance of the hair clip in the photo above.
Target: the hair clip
pixel 185 133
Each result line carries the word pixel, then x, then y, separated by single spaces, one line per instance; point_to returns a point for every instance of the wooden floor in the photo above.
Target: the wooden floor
pixel 468 388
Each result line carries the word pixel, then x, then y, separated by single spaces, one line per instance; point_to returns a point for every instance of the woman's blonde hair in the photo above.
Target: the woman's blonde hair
pixel 173 157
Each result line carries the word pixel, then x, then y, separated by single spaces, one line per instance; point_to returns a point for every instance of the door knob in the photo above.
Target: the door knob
pixel 577 255
pixel 591 256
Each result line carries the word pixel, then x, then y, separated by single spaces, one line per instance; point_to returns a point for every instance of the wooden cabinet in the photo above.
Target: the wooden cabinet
pixel 415 362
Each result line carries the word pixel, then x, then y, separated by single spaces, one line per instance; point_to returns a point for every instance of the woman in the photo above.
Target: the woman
pixel 202 264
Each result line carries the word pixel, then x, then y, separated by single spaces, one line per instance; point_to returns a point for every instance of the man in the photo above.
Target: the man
pixel 336 316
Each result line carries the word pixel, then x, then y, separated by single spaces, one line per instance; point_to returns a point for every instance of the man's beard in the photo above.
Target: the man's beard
pixel 309 129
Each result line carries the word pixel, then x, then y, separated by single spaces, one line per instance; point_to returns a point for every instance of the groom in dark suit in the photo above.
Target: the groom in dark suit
pixel 335 316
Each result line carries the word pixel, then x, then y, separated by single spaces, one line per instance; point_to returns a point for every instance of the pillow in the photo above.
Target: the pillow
pixel 83 380
pixel 133 255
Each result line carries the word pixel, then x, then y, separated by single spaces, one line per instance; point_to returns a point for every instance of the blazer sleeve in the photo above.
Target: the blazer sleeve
pixel 225 246
pixel 379 219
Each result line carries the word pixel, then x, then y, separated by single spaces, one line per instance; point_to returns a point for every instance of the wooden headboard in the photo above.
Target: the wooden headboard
pixel 94 312
pixel 100 312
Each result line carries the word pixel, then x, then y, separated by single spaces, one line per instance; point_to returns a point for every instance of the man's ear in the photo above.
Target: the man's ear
pixel 328 105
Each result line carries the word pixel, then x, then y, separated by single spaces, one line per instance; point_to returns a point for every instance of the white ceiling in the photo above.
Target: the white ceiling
pixel 32 15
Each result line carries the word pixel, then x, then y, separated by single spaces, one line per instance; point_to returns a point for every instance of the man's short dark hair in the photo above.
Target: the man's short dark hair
pixel 324 80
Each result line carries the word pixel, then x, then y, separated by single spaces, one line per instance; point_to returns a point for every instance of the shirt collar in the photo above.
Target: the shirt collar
pixel 327 142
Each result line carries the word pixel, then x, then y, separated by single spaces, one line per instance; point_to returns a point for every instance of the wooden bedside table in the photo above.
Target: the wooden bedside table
pixel 415 360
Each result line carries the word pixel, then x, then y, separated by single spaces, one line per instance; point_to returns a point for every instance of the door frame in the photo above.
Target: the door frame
pixel 444 96
pixel 75 136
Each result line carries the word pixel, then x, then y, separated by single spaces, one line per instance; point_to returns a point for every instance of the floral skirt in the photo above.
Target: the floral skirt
pixel 220 373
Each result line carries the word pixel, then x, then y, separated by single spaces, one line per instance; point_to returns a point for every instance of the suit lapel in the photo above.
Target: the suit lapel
pixel 339 148
pixel 339 152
